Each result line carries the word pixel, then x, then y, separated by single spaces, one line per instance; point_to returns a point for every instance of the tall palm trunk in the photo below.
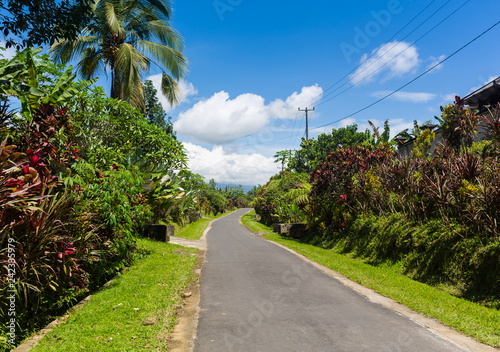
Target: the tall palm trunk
pixel 116 86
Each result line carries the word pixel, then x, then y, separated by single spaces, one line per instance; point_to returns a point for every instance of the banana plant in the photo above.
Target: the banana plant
pixel 163 190
pixel 19 78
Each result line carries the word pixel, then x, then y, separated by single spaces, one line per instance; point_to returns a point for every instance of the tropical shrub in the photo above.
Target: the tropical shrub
pixel 278 201
pixel 458 125
pixel 166 196
pixel 344 183
pixel 435 215
pixel 72 200
pixel 313 152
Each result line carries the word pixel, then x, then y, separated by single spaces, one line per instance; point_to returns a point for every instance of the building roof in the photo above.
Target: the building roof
pixel 487 95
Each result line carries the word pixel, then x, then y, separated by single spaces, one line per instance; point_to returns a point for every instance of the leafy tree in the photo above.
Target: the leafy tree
pixel 236 196
pixel 153 111
pixel 315 151
pixel 126 37
pixel 192 181
pixel 212 185
pixel 34 22
pixel 283 156
pixel 111 131
pixel 218 201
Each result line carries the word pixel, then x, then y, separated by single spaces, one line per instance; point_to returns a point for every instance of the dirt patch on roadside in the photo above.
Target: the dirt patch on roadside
pixel 184 334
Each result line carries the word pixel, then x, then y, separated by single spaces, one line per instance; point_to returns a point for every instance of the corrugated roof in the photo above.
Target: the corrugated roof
pixel 487 95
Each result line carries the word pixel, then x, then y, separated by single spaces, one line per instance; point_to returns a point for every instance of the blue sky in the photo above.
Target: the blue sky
pixel 254 63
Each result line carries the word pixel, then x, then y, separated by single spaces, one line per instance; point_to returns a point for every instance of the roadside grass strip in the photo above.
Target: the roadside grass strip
pixel 249 221
pixel 470 318
pixel 136 311
pixel 194 230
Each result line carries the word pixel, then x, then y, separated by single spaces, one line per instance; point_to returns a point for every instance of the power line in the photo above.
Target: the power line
pixel 388 95
pixel 300 127
pixel 320 97
pixel 388 62
pixel 413 80
pixel 323 96
pixel 293 129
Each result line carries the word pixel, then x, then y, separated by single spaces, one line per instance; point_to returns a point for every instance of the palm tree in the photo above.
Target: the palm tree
pixel 126 37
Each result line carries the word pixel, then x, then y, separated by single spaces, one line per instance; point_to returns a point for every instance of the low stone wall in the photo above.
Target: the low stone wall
pixel 281 228
pixel 160 232
pixel 295 230
pixel 195 217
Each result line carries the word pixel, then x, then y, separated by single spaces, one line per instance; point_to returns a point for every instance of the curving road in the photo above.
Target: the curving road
pixel 256 296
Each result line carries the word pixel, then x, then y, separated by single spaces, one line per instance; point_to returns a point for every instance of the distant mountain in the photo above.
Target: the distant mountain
pixel 246 188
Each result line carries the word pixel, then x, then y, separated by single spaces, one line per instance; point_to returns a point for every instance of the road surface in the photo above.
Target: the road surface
pixel 256 296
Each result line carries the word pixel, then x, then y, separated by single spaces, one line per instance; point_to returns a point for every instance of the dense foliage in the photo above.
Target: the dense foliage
pixel 313 152
pixel 36 22
pixel 212 199
pixel 81 175
pixel 278 200
pixel 344 184
pixel 153 110
pixel 435 213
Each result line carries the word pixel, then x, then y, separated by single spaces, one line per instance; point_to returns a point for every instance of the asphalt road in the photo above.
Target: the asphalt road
pixel 256 296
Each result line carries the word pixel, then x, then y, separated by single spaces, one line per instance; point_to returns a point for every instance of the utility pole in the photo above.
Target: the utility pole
pixel 307 123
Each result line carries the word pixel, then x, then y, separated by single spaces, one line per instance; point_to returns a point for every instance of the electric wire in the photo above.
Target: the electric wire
pixel 411 81
pixel 293 129
pixel 319 97
pixel 323 96
pixel 389 94
pixel 402 87
pixel 322 101
pixel 388 62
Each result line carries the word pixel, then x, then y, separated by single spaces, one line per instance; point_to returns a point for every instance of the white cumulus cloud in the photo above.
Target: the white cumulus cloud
pixel 223 167
pixel 186 90
pixel 220 118
pixel 392 59
pixel 287 109
pixel 412 97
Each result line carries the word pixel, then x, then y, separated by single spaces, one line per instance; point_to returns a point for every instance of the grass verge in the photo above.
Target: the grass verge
pixel 470 318
pixel 136 311
pixel 194 230
pixel 249 221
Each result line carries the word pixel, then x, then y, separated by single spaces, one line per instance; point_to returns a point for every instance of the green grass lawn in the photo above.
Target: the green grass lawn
pixel 470 318
pixel 194 230
pixel 136 311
